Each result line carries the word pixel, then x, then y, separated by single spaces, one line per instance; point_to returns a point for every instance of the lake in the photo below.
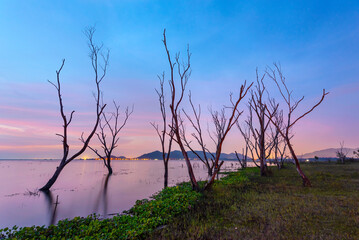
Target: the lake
pixel 83 188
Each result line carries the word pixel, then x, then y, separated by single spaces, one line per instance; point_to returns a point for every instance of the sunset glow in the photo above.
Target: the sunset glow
pixel 315 42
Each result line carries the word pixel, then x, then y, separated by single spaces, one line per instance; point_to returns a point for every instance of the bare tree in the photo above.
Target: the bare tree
pixel 246 133
pixel 242 160
pixel 279 145
pixel 257 104
pixel 184 72
pixel 342 153
pixel 222 124
pixel 356 153
pixel 277 76
pixel 208 161
pixel 166 147
pixel 95 54
pixel 109 123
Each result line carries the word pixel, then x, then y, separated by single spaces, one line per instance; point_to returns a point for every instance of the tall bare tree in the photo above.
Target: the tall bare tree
pixel 287 95
pixel 184 72
pixel 162 133
pixel 95 54
pixel 222 124
pixel 109 125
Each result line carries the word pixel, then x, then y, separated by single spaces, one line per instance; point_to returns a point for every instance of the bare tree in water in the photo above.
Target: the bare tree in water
pixel 222 124
pixel 109 125
pixel 162 133
pixel 287 95
pixel 95 56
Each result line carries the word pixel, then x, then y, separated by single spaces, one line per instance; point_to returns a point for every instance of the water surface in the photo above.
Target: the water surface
pixel 83 188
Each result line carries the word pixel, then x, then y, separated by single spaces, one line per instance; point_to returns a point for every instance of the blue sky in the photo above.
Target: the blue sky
pixel 315 41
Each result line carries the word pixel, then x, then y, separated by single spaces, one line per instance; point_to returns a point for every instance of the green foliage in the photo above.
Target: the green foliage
pixel 136 223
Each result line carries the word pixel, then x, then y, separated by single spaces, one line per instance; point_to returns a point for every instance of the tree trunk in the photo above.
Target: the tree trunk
pixel 213 177
pixel 109 168
pixel 210 171
pixel 52 180
pixel 166 174
pixel 306 181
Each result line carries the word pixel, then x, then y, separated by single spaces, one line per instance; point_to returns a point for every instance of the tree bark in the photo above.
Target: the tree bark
pixel 306 181
pixel 109 168
pixel 53 179
pixel 166 174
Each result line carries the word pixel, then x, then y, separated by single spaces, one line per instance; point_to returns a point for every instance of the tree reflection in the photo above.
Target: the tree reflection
pixel 52 206
pixel 102 197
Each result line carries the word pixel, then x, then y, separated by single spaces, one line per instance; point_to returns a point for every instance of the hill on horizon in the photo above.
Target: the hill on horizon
pixel 328 153
pixel 178 155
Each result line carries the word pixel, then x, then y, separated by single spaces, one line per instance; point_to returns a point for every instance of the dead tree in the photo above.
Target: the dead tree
pixel 222 125
pixel 242 160
pixel 279 145
pixel 184 71
pixel 257 104
pixel 246 133
pixel 95 51
pixel 166 147
pixel 208 161
pixel 341 153
pixel 356 153
pixel 109 123
pixel 277 76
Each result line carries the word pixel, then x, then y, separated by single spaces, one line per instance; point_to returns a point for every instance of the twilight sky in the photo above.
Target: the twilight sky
pixel 316 43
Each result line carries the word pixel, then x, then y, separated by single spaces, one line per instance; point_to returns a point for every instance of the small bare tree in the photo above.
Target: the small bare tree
pixel 208 161
pixel 246 133
pixel 95 54
pixel 109 123
pixel 356 153
pixel 166 147
pixel 342 153
pixel 242 159
pixel 279 145
pixel 222 125
pixel 277 76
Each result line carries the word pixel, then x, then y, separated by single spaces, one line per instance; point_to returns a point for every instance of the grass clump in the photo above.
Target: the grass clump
pixel 145 216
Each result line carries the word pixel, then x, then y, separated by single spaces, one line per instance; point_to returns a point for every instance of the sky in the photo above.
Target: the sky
pixel 316 42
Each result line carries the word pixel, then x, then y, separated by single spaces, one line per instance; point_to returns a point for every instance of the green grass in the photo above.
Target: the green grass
pixel 246 206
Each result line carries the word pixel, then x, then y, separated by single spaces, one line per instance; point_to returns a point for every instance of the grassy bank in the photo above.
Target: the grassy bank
pixel 276 207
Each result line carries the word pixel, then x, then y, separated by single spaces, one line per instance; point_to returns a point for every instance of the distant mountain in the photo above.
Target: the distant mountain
pixel 329 153
pixel 178 155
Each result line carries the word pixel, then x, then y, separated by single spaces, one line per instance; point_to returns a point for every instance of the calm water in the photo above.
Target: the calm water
pixel 83 188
